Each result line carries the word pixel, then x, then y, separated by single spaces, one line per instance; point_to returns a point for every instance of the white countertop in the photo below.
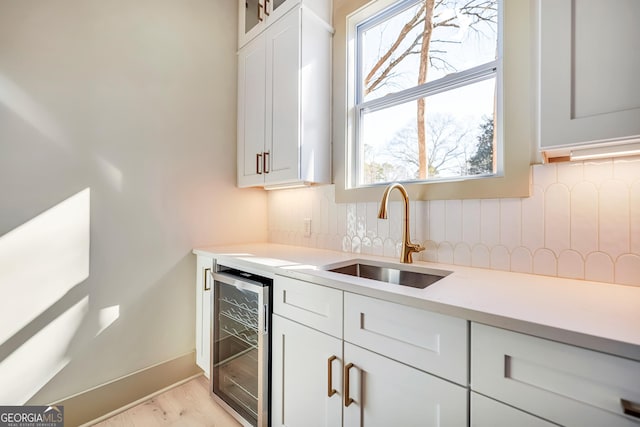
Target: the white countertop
pixel 599 316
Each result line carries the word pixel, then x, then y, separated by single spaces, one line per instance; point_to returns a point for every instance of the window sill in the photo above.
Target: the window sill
pixel 515 186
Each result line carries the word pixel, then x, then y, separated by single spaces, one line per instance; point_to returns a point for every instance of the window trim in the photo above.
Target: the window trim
pixel 515 111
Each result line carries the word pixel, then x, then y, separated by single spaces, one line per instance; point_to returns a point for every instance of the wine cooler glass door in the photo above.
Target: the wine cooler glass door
pixel 239 367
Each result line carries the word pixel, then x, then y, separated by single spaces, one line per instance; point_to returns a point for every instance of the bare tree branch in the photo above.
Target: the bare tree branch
pixel 385 73
pixel 429 16
pixel 406 29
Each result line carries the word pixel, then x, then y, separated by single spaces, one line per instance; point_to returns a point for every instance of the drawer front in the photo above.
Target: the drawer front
pixel 487 412
pixel 559 382
pixel 428 341
pixel 312 305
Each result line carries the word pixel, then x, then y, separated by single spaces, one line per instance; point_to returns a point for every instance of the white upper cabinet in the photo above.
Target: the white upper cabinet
pixel 283 102
pixel 251 113
pixel 255 15
pixel 589 68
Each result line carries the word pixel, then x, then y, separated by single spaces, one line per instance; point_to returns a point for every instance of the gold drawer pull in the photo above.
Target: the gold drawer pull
pixel 330 390
pixel 347 399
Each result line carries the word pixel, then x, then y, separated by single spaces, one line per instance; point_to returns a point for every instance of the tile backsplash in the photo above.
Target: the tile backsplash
pixel 582 221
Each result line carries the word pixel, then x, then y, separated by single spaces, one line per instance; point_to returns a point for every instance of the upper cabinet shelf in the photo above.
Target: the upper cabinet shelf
pixel 589 68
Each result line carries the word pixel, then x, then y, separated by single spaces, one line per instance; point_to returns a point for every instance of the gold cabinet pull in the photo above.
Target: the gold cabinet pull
pixel 207 285
pixel 347 399
pixel 258 163
pixel 330 390
pixel 630 408
pixel 265 162
pixel 260 6
pixel 266 7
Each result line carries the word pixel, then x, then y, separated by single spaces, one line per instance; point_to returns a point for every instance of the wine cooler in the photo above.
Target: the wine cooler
pixel 240 345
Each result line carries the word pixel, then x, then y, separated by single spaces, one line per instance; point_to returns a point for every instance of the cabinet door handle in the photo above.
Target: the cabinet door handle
pixel 258 163
pixel 347 399
pixel 207 275
pixel 330 390
pixel 630 408
pixel 265 162
pixel 260 6
pixel 266 7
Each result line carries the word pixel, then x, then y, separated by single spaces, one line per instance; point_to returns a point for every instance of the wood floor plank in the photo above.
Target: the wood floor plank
pixel 188 405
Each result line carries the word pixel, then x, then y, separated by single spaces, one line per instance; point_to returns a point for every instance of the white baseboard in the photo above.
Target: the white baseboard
pixel 101 402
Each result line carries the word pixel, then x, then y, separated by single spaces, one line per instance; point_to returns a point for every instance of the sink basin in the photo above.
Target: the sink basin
pixel 414 277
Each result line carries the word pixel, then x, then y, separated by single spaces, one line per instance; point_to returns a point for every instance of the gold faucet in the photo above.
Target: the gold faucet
pixel 407 247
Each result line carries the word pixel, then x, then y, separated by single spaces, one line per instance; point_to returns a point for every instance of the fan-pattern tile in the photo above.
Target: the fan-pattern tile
pixel 581 221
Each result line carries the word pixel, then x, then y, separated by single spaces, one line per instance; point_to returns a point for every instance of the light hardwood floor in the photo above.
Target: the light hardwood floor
pixel 188 405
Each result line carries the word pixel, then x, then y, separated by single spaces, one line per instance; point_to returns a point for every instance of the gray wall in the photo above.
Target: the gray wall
pixel 117 156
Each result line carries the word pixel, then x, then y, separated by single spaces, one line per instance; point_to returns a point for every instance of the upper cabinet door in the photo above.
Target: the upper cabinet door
pixel 251 113
pixel 251 18
pixel 283 96
pixel 254 16
pixel 589 68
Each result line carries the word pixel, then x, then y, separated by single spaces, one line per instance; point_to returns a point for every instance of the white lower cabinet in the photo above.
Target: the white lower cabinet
pixel 319 379
pixel 428 341
pixel 344 359
pixel 383 392
pixel 306 360
pixel 487 412
pixel 566 385
pixel 204 266
pixel 306 365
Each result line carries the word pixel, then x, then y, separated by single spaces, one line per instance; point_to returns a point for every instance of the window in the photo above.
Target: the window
pixel 424 102
pixel 515 113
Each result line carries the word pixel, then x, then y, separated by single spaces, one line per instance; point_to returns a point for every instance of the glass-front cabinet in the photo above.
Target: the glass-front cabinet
pixel 256 15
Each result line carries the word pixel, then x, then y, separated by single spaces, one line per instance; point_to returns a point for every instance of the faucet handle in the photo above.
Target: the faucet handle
pixel 416 247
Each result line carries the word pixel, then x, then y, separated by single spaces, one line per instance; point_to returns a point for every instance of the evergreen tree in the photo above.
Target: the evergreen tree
pixel 482 161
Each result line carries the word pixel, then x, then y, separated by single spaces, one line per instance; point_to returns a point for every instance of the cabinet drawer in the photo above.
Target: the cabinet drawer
pixel 565 384
pixel 428 341
pixel 316 306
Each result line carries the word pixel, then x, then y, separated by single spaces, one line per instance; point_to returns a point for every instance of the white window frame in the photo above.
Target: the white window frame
pixel 365 18
pixel 515 132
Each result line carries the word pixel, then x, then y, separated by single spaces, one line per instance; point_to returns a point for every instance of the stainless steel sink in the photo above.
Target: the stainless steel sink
pixel 414 277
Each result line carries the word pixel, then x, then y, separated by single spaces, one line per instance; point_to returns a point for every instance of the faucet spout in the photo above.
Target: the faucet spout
pixel 407 247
